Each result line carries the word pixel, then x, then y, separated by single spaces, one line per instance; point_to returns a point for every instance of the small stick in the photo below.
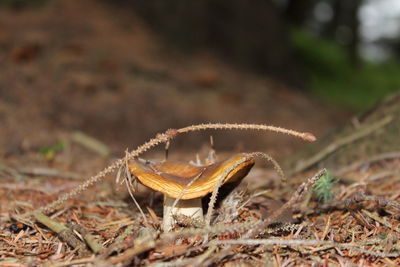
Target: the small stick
pixel 262 225
pixel 182 193
pixel 129 185
pixel 212 156
pixel 244 126
pixel 95 246
pixel 214 194
pixel 253 196
pixel 219 182
pixel 380 220
pixel 241 227
pixel 118 244
pixel 90 143
pixel 63 232
pixel 144 242
pixel 382 202
pixel 73 262
pixel 299 242
pixel 297 196
pixel 163 138
pixel 277 167
pixel 9 170
pixel 42 171
pixel 361 133
pixel 167 145
pixel 199 260
pixel 357 164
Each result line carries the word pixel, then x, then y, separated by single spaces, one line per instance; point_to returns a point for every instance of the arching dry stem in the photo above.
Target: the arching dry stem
pixel 163 138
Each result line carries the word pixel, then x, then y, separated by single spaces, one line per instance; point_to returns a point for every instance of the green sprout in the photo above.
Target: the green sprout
pixel 323 187
pixel 49 152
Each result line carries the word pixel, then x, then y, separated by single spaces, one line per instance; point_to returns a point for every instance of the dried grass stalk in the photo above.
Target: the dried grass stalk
pixel 164 138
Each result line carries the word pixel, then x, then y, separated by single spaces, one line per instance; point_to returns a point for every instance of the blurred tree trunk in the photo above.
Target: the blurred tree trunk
pixel 332 26
pixel 249 33
pixel 355 28
pixel 297 11
pixel 345 17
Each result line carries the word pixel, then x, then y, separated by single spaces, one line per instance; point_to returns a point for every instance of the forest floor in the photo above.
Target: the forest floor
pixel 76 91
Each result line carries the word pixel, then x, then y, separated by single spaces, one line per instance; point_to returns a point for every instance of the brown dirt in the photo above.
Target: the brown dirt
pixel 82 65
pixel 104 73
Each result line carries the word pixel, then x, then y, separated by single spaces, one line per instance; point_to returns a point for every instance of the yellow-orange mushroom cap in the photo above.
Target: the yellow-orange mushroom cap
pixel 171 178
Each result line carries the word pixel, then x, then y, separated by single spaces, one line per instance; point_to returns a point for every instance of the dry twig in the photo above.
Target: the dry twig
pixel 42 171
pixel 144 242
pixel 360 133
pixel 63 232
pixel 297 196
pixel 373 159
pixel 380 220
pixel 300 242
pixel 91 241
pixel 163 138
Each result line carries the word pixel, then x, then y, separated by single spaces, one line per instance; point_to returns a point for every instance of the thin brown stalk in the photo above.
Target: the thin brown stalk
pixel 259 226
pixel 300 242
pixel 381 220
pixel 160 138
pixel 117 244
pixel 373 159
pixel 245 126
pixel 129 185
pixel 183 192
pixel 73 262
pixel 221 179
pixel 215 229
pixel 163 138
pixel 218 185
pixel 361 133
pixel 297 196
pixel 255 227
pixel 90 239
pixel 277 167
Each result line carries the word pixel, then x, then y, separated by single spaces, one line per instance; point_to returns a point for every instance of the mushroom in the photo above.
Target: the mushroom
pixel 188 183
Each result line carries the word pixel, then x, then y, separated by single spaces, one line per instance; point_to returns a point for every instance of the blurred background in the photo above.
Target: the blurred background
pixel 121 71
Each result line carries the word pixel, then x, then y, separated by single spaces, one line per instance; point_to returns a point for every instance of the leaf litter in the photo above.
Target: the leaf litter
pixel 359 225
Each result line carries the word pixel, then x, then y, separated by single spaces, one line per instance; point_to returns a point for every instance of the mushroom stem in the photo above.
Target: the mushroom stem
pixel 191 208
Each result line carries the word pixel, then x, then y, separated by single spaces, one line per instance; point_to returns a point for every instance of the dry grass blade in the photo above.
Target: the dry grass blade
pixel 300 192
pixel 129 185
pixel 90 240
pixel 244 126
pixel 277 167
pixel 361 133
pixel 183 192
pixel 227 171
pixel 74 262
pixel 373 159
pixel 164 138
pixel 160 138
pixel 144 241
pixel 51 172
pixel 254 226
pixel 215 229
pixel 65 233
pixel 300 242
pixel 251 197
pixel 217 186
pixel 117 245
pixel 380 220
pixel 260 226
